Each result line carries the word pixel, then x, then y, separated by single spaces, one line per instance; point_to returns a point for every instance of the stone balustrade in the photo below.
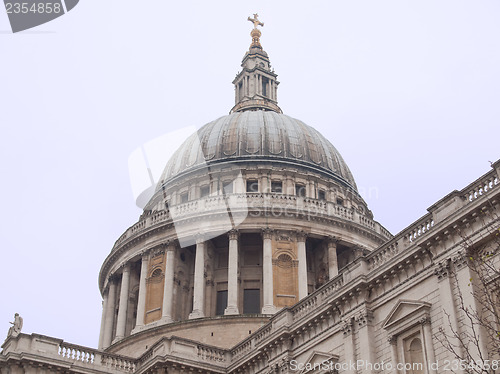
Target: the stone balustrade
pixel 481 187
pixel 272 203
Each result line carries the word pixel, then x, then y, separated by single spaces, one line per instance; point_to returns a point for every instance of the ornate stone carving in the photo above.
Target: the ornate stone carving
pixel 267 233
pixel 364 318
pixel 301 236
pixel 460 261
pixel 233 234
pixel 347 327
pixel 443 270
pixel 392 339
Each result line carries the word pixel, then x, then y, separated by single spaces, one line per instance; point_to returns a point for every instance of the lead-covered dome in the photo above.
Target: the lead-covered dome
pixel 258 136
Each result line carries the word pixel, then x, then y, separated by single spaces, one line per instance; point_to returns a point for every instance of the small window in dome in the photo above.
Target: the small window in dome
pixel 252 186
pixel 300 190
pixel 204 191
pixel 277 187
pixel 321 195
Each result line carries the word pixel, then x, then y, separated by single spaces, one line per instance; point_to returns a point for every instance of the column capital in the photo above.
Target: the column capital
pixel 346 327
pixel 426 320
pixel 460 260
pixel 158 250
pixel 443 270
pixel 145 253
pixel 267 233
pixel 125 267
pixel 364 318
pixel 171 245
pixel 392 339
pixel 200 238
pixel 233 234
pixel 332 241
pixel 301 236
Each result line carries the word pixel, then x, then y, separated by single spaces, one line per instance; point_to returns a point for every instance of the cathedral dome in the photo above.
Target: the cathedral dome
pixel 258 136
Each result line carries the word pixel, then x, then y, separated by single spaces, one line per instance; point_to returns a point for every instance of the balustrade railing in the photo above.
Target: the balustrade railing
pixel 481 187
pixel 73 352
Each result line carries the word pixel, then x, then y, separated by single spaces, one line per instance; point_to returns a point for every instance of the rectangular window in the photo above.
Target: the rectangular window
pixel 221 304
pixel 321 195
pixel 340 201
pixel 277 187
pixel 300 190
pixel 184 197
pixel 252 186
pixel 204 191
pixel 251 301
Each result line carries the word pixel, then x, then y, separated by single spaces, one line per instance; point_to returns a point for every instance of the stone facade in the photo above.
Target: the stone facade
pixel 263 258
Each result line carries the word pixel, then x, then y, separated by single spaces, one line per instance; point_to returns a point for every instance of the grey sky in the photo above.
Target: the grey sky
pixel 407 91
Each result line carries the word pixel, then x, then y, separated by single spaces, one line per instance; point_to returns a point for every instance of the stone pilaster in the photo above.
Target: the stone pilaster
pixel 199 280
pixel 122 308
pixel 365 337
pixel 168 288
pixel 110 313
pixel 333 267
pixel 141 301
pixel 349 355
pixel 267 272
pixel 301 251
pixel 232 274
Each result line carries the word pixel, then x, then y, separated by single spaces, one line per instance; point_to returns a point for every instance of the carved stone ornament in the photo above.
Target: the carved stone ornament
pixel 347 327
pixel 443 270
pixel 460 261
pixel 267 233
pixel 233 234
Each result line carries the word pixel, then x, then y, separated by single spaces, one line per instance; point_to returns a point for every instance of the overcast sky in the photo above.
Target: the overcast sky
pixel 407 91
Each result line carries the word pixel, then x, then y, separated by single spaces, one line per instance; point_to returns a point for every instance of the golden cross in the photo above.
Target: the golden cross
pixel 255 21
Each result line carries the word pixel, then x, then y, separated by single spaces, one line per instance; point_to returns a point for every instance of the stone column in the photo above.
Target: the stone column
pixel 232 274
pixel 199 281
pixel 122 308
pixel 364 320
pixel 333 267
pixel 110 313
pixel 349 357
pixel 301 254
pixel 263 184
pixel 267 273
pixel 465 282
pixel 428 346
pixel 393 341
pixel 448 308
pixel 103 320
pixel 168 289
pixel 141 301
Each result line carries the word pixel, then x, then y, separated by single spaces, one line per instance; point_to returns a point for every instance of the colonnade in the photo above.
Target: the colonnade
pixel 108 323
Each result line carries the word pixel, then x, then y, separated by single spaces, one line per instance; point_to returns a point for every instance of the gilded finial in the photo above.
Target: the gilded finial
pixel 255 33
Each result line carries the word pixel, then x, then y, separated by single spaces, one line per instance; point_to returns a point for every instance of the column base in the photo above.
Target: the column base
pixel 196 314
pixel 117 339
pixel 231 310
pixel 136 329
pixel 268 309
pixel 166 319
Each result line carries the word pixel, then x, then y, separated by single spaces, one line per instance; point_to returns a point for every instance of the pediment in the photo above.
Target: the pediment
pixel 405 310
pixel 315 361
